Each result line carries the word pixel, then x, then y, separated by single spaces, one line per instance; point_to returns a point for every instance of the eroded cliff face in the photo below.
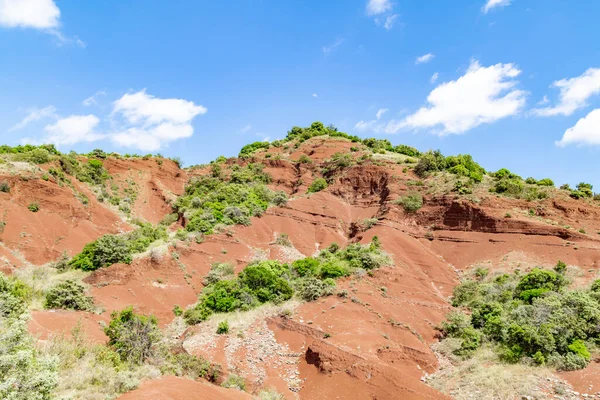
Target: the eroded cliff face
pixel 373 341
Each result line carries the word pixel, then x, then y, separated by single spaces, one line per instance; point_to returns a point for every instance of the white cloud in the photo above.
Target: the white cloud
pixel 382 12
pixel 328 49
pixel 481 95
pixel 37 14
pixel 43 15
pixel 35 115
pixel 151 123
pixel 543 101
pixel 389 21
pixel 434 77
pixel 585 132
pixel 246 129
pixel 574 93
pixel 73 129
pixel 380 112
pixel 490 4
pixel 93 99
pixel 373 125
pixel 425 58
pixel 314 95
pixel 376 7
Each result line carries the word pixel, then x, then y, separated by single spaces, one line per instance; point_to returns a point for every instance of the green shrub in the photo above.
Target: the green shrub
pixel 33 207
pixel 545 182
pixel 304 159
pixel 317 185
pixel 528 316
pixel 223 328
pixel 134 337
pixel 585 189
pixel 4 187
pixel 69 295
pixel 411 202
pixel 407 150
pixel 234 381
pixel 252 147
pixel 306 266
pixel 272 281
pixel 431 161
pixel 578 347
pixel 177 311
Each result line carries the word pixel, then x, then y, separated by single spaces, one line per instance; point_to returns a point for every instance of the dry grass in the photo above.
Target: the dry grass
pixel 41 278
pixel 91 372
pixel 485 377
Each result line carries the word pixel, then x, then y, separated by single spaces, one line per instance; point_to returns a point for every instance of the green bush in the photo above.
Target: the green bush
pixel 317 185
pixel 431 161
pixel 108 250
pixel 272 281
pixel 545 182
pixel 528 316
pixel 209 200
pixel 134 337
pixel 411 202
pixel 223 328
pixel 33 207
pixel 407 150
pixel 69 295
pixel 4 187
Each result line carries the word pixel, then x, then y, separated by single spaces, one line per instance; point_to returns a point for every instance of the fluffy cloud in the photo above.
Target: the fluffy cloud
pixel 376 7
pixel 434 77
pixel 73 129
pixel 481 95
pixel 425 58
pixel 35 115
pixel 585 132
pixel 37 14
pixel 150 123
pixel 380 112
pixel 574 93
pixel 491 4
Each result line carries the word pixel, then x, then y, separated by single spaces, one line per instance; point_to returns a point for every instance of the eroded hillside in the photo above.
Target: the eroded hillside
pixel 366 331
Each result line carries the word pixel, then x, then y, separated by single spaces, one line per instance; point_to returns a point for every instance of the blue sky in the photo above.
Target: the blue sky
pixel 514 83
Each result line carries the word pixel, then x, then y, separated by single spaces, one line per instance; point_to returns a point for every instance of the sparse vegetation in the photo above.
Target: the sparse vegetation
pixel 273 281
pixel 411 202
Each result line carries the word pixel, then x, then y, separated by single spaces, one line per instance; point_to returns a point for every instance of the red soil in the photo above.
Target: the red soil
pixel 173 388
pixel 45 324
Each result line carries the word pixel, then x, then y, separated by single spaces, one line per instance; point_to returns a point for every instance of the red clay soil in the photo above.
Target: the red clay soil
pixel 63 223
pixel 45 324
pixel 584 381
pixel 174 388
pixel 157 184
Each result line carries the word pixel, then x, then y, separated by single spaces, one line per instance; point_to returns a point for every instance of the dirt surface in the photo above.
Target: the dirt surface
pixel 174 388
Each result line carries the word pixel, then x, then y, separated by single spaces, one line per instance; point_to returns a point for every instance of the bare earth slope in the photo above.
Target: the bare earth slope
pixel 374 342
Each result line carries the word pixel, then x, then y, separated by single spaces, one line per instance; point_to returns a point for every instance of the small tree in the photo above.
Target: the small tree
pixel 133 336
